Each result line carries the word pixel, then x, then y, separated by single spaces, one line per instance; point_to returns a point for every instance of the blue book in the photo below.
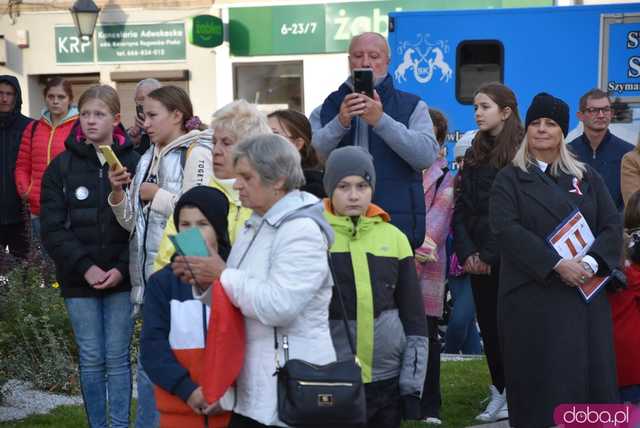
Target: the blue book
pixel 190 243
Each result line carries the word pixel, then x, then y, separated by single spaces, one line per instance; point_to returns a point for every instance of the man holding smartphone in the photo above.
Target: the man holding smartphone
pixel 137 134
pixel 394 126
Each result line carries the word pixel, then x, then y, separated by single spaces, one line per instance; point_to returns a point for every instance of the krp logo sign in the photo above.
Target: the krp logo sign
pixel 70 48
pixel 423 58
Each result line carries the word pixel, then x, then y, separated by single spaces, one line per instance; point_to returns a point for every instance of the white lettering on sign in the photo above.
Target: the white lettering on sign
pixel 298 28
pixel 351 26
pixel 623 87
pixel 140 52
pixel 73 44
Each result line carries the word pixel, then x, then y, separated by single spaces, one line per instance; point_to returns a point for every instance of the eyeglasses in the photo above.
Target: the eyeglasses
pixel 596 110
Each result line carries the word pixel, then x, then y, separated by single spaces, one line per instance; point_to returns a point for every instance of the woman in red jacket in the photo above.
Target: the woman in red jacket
pixel 625 309
pixel 42 141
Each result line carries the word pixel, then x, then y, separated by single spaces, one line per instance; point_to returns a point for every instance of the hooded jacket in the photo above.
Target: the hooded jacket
pixel 37 150
pixel 278 275
pixel 175 168
pixel 375 271
pixel 79 229
pixel 12 125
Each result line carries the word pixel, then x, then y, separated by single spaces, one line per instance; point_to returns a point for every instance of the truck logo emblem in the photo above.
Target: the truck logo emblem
pixel 423 57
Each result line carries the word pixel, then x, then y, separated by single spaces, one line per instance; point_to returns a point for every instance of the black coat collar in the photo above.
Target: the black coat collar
pixel 559 197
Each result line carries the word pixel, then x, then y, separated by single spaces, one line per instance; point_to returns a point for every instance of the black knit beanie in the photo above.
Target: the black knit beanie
pixel 214 205
pixel 546 105
pixel 346 161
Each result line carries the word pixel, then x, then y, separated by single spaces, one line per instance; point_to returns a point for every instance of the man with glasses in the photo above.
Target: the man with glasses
pixel 597 146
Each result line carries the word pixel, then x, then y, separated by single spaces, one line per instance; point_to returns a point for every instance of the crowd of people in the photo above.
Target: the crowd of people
pixel 357 199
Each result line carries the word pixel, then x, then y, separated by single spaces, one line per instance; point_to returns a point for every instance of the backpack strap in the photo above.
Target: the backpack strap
pixel 34 126
pixel 65 167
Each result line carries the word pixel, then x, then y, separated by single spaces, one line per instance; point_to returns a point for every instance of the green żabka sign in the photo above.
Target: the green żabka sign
pixel 122 43
pixel 326 28
pixel 206 31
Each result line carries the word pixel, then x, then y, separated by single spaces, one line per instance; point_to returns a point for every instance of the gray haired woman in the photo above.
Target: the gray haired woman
pixel 277 273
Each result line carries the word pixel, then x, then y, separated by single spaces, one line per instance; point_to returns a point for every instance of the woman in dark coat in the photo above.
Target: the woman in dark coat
pixel 557 347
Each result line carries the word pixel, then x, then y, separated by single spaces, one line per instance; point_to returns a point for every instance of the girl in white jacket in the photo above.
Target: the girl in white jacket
pixel 177 160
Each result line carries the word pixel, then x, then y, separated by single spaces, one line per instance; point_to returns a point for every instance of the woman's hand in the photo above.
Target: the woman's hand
pixel 483 268
pixel 573 272
pixel 475 266
pixel 118 178
pixel 94 275
pixel 112 278
pixel 148 191
pixel 204 270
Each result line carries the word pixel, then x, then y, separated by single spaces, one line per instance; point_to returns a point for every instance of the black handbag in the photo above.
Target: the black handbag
pixel 321 395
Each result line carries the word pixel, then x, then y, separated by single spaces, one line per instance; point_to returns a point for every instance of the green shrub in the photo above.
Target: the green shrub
pixel 36 340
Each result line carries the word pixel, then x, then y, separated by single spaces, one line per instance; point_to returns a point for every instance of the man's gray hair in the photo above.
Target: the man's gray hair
pixel 371 34
pixel 273 158
pixel 149 83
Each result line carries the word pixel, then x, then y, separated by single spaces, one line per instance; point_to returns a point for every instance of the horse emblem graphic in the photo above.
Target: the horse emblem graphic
pixel 423 57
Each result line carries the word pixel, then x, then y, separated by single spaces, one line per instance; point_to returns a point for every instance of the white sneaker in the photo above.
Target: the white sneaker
pixel 432 421
pixel 497 408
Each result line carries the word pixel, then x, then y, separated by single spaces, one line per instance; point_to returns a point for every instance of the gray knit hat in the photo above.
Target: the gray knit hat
pixel 346 161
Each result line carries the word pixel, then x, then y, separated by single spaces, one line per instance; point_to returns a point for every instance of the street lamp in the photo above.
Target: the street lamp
pixel 85 14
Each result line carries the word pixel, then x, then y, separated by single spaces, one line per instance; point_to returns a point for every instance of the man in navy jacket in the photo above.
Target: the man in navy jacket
pixel 597 146
pixel 13 230
pixel 394 126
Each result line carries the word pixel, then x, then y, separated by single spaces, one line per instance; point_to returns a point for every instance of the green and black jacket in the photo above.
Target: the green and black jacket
pixel 375 270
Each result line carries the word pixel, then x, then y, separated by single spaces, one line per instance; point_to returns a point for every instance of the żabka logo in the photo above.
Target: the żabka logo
pixel 597 416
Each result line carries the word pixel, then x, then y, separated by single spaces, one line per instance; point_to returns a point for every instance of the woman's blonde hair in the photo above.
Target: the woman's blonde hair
pixel 565 162
pixel 241 119
pixel 104 93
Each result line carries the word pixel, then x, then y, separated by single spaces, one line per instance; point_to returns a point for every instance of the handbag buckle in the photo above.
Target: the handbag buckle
pixel 325 400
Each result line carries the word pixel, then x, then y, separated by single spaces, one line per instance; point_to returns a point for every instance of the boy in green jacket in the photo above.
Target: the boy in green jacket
pixel 375 270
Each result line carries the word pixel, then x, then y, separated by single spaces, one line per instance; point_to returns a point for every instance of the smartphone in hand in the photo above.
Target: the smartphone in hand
pixel 140 112
pixel 363 81
pixel 110 157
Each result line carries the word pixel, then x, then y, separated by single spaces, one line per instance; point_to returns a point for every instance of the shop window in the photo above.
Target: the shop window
pixel 477 62
pixel 270 85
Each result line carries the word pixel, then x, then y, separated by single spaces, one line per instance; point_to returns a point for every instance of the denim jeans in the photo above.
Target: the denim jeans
pixel 462 334
pixel 35 228
pixel 102 327
pixel 147 415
